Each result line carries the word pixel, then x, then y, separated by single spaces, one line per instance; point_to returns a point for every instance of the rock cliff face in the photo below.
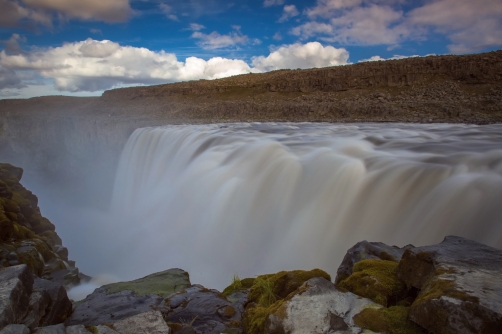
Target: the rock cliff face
pixel 87 134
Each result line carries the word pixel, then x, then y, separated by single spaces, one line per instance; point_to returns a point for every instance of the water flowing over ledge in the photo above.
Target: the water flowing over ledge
pixel 252 198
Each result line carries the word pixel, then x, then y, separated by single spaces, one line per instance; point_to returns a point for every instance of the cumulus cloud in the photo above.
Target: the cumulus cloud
pixel 269 3
pixel 378 58
pixel 309 55
pixel 29 13
pixel 92 65
pixel 288 12
pixel 215 40
pixel 470 25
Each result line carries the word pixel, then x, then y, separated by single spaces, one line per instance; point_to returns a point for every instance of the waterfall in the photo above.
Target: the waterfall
pixel 254 198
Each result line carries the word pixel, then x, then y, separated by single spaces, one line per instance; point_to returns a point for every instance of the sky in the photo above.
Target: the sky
pixel 81 48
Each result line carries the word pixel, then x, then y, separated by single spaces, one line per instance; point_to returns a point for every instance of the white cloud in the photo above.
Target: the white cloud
pixel 215 40
pixel 470 25
pixel 268 3
pixel 41 12
pixel 378 58
pixel 92 65
pixel 289 11
pixel 195 27
pixel 168 11
pixel 298 55
pixel 277 36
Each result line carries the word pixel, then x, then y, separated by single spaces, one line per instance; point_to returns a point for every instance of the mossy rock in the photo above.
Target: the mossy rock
pixel 238 285
pixel 266 289
pixel 392 320
pixel 6 227
pixel 163 284
pixel 269 292
pixel 376 280
pixel 8 171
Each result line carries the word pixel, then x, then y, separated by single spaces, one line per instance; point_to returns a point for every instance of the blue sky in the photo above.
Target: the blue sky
pixel 68 47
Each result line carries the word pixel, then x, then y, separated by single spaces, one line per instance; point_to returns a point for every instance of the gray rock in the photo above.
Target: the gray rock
pixel 77 329
pixel 460 282
pixel 101 307
pixel 60 306
pixel 54 329
pixel 208 311
pixel 39 301
pixel 318 307
pixel 145 323
pixel 15 329
pixel 15 291
pixel 105 330
pixel 365 250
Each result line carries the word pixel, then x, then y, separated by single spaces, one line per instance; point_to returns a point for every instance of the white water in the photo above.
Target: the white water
pixel 247 199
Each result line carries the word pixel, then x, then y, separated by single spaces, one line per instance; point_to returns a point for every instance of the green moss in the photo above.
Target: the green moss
pixel 163 283
pixel 32 260
pixel 92 329
pixel 269 293
pixel 238 284
pixel 438 287
pixel 376 280
pixel 392 320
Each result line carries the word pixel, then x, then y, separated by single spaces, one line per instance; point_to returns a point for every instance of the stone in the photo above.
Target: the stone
pixel 365 250
pixel 206 310
pixel 318 307
pixel 105 330
pixel 15 290
pixel 77 329
pixel 162 283
pixel 101 307
pixel 15 329
pixel 460 286
pixel 60 306
pixel 39 301
pixel 54 329
pixel 145 323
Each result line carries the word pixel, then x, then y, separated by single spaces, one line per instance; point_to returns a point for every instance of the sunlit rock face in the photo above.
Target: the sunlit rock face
pixel 252 198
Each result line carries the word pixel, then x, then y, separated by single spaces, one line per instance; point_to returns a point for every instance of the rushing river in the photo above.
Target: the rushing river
pixel 247 199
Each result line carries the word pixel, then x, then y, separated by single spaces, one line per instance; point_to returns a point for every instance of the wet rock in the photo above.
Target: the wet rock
pixel 15 329
pixel 60 306
pixel 365 250
pixel 54 329
pixel 103 308
pixel 460 286
pixel 207 311
pixel 318 307
pixel 15 291
pixel 145 323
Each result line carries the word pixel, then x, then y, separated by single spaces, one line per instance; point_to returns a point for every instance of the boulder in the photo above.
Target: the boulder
pixel 15 290
pixel 54 329
pixel 104 330
pixel 460 286
pixel 318 307
pixel 162 283
pixel 365 250
pixel 15 329
pixel 77 329
pixel 39 302
pixel 207 311
pixel 60 306
pixel 145 323
pixel 103 308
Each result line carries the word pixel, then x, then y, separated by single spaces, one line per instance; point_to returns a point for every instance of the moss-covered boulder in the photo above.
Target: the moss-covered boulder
pixel 392 320
pixel 268 293
pixel 163 283
pixel 376 280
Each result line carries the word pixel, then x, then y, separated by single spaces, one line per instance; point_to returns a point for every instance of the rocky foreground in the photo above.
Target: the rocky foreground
pixel 452 287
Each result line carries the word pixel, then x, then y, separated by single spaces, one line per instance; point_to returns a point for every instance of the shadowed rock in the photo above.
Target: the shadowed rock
pixel 15 290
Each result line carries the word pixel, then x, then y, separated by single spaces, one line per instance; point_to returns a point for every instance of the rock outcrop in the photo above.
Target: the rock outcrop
pixel 28 237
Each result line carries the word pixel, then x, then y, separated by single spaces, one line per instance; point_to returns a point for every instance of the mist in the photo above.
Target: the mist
pixel 251 198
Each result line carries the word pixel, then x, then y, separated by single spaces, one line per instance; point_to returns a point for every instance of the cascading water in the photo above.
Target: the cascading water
pixel 247 199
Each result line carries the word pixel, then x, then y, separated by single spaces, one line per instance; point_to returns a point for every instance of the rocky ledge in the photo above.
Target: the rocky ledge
pixel 451 287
